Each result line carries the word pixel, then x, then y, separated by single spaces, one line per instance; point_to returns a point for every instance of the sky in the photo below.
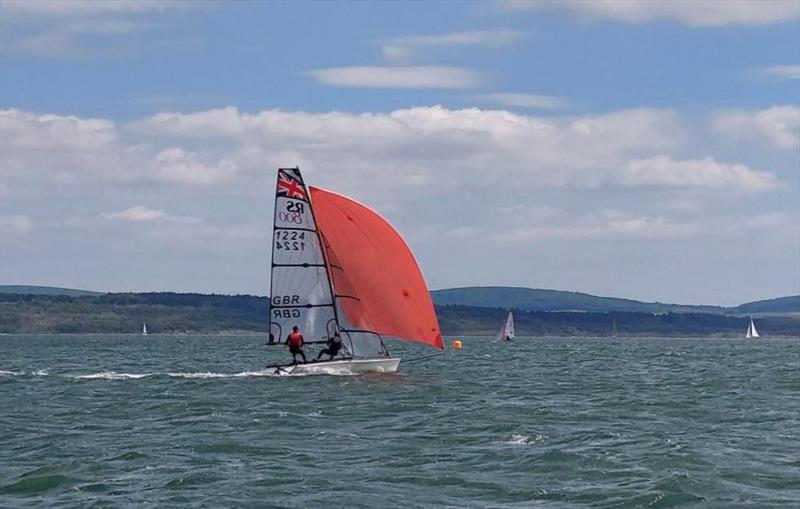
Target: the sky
pixel 628 148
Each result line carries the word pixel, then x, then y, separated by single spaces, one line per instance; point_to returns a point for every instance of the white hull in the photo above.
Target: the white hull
pixel 381 365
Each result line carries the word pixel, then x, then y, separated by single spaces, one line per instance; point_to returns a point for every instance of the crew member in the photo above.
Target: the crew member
pixel 295 342
pixel 334 345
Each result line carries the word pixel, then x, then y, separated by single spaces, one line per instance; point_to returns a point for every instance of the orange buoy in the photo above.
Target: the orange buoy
pixel 457 344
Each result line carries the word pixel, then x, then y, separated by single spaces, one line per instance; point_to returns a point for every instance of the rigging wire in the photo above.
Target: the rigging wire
pixel 426 357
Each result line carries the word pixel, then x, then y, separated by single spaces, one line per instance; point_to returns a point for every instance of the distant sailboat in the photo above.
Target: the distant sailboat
pixel 144 329
pixel 507 330
pixel 614 328
pixel 751 330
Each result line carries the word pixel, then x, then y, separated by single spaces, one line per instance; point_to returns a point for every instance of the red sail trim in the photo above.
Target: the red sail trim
pixel 380 270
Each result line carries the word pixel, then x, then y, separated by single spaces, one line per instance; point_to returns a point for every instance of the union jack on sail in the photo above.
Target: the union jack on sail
pixel 290 184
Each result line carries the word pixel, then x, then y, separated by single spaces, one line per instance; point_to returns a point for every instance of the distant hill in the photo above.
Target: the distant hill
pixel 181 312
pixel 46 290
pixel 530 299
pixel 789 304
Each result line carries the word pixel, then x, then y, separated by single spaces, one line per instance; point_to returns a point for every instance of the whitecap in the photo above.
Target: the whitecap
pixel 525 439
pixel 112 375
pixel 4 372
pixel 197 375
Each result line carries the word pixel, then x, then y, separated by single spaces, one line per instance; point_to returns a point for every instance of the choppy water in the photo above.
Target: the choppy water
pixel 196 422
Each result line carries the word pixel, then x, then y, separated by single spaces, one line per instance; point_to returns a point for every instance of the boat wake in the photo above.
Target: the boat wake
pixel 36 372
pixel 115 375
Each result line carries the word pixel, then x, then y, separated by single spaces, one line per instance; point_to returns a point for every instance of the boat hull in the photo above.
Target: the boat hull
pixel 345 366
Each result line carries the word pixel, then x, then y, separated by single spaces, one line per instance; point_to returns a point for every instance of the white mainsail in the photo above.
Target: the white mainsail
pixel 144 329
pixel 301 290
pixel 751 330
pixel 507 330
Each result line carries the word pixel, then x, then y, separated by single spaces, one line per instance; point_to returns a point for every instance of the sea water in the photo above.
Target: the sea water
pixel 197 421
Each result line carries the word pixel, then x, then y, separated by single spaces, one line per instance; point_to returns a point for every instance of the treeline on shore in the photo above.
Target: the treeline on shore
pixel 170 313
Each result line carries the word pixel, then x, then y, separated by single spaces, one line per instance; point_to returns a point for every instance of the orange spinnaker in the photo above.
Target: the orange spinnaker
pixel 380 269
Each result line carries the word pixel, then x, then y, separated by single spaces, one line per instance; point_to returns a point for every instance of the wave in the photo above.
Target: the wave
pixel 525 439
pixel 36 372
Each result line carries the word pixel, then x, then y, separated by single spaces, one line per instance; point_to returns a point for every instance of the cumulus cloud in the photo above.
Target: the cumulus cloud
pixel 548 102
pixel 78 29
pixel 773 220
pixel 607 224
pixel 789 72
pixel 420 76
pixel 60 8
pixel 404 48
pixel 368 152
pixel 62 148
pixel 142 214
pixel 137 213
pixel 44 131
pixel 662 170
pixel 15 224
pixel 778 126
pixel 403 146
pixel 178 165
pixel 712 13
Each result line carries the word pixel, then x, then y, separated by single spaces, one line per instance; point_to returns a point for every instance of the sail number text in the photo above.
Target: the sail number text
pixel 290 240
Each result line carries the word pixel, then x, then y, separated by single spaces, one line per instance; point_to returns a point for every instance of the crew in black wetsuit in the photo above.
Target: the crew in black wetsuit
pixel 334 345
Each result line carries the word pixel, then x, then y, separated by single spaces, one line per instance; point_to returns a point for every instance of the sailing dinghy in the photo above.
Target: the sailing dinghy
pixel 507 330
pixel 751 330
pixel 144 329
pixel 340 269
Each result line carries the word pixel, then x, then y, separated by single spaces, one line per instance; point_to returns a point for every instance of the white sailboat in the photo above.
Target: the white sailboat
pixel 340 269
pixel 614 332
pixel 751 330
pixel 144 329
pixel 506 332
